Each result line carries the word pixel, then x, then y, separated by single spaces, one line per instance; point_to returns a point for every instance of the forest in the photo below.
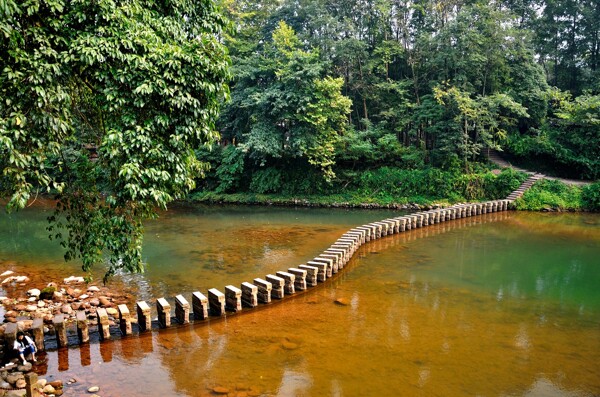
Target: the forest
pixel 406 97
pixel 117 108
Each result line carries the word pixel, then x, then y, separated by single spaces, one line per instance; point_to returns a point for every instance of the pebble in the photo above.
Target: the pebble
pixel 220 390
pixel 49 389
pixel 94 389
pixel 93 288
pixel 34 292
pixel 341 302
pixel 7 273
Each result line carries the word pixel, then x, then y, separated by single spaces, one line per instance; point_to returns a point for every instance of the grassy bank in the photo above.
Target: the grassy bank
pixel 385 188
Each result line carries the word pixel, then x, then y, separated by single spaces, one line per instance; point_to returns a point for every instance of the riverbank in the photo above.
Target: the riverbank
pixel 545 195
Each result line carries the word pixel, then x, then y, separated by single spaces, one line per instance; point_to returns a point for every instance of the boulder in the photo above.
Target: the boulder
pixel 57 384
pixel 49 389
pixel 20 384
pixel 42 382
pixel 104 301
pixel 13 377
pixel 34 292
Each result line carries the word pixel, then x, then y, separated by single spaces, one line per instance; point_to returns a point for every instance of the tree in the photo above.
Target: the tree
pixel 285 108
pixel 103 103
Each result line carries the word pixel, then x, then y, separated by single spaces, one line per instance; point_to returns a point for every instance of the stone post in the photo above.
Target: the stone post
pixel 367 232
pixel 264 290
pixel 336 258
pixel 233 298
pixel 10 335
pixel 60 329
pixel 300 281
pixel 277 284
pixel 182 310
pixel 216 302
pixel 37 329
pixel 83 330
pixel 199 305
pixel 31 380
pixel 402 224
pixel 143 315
pixel 311 274
pixel 124 320
pixel 290 281
pixel 331 267
pixel 324 270
pixel 163 309
pixel 103 325
pixel 249 294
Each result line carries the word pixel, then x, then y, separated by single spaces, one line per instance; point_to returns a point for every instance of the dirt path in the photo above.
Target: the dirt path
pixel 496 158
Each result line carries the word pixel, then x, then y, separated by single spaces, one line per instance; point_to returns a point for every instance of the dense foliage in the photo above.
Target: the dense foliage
pixel 103 103
pixel 433 86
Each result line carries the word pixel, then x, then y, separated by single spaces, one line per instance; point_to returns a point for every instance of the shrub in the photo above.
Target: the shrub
pixel 590 196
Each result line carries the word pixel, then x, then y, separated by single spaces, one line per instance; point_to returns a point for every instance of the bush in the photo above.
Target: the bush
pixel 590 196
pixel 550 194
pixel 268 180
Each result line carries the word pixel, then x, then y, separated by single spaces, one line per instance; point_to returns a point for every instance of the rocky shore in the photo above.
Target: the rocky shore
pixel 26 302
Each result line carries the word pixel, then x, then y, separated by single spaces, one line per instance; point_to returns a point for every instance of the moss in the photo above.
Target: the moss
pixel 47 293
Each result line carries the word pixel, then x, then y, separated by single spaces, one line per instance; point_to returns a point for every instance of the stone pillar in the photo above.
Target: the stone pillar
pixel 103 325
pixel 300 281
pixel 494 206
pixel 37 330
pixel 216 302
pixel 31 380
pixel 163 309
pixel 336 258
pixel 324 270
pixel 124 320
pixel 264 290
pixel 199 305
pixel 384 228
pixel 182 310
pixel 83 330
pixel 311 274
pixel 377 230
pixel 10 335
pixel 425 218
pixel 402 224
pixel 60 329
pixel 470 210
pixel 367 231
pixel 277 284
pixel 331 267
pixel 143 315
pixel 290 281
pixel 453 213
pixel 233 298
pixel 249 294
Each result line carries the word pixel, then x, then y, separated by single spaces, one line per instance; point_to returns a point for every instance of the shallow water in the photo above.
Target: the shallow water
pixel 497 305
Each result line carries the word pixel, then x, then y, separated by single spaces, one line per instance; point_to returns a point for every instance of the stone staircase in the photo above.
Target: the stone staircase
pixel 524 186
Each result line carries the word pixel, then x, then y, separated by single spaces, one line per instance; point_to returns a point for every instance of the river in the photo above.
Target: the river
pixel 503 304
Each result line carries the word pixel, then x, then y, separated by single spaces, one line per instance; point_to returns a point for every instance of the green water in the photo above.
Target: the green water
pixel 504 304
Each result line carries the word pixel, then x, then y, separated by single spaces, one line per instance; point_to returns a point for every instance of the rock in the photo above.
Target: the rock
pixel 47 293
pixel 25 367
pixel 93 288
pixel 21 279
pixel 341 302
pixel 94 389
pixel 3 298
pixel 58 392
pixel 104 301
pixel 76 305
pixel 34 292
pixel 8 280
pixel 31 308
pixel 4 385
pixel 16 393
pixel 11 313
pixel 94 302
pixel 49 389
pixel 20 384
pixel 7 273
pixel 220 390
pixel 57 296
pixel 13 377
pixel 111 311
pixel 41 304
pixel 66 309
pixel 84 296
pixel 72 380
pixel 74 280
pixel 20 308
pixel 32 299
pixel 57 384
pixel 42 382
pixel 287 345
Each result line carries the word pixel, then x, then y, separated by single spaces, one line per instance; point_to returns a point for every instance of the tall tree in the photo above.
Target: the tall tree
pixel 103 104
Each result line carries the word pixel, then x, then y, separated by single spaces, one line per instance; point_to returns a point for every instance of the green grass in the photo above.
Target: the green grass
pixel 551 195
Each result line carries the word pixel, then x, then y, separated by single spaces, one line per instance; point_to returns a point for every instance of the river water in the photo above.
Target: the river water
pixel 504 304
